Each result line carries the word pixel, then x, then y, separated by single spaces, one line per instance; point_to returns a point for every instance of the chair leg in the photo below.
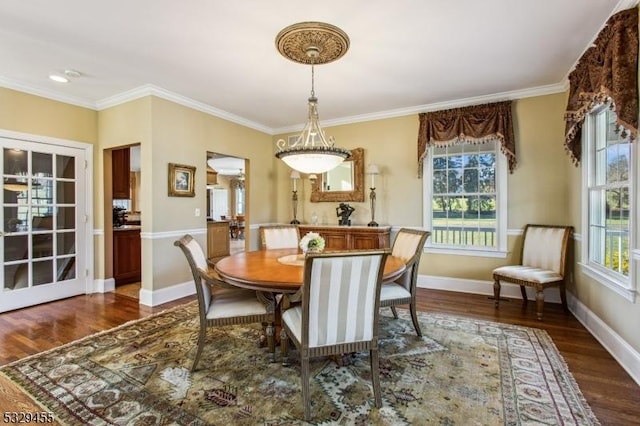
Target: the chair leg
pixel 523 291
pixel 201 338
pixel 395 313
pixel 539 303
pixel 414 318
pixel 306 400
pixel 496 291
pixel 563 297
pixel 284 349
pixel 375 376
pixel 271 341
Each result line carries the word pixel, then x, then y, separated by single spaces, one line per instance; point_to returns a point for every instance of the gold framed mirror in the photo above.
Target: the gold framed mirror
pixel 344 183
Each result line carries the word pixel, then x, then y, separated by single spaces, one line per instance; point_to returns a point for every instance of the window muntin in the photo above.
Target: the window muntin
pixel 608 192
pixel 463 211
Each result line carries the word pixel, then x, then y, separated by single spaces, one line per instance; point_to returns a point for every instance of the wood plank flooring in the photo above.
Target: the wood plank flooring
pixel 609 390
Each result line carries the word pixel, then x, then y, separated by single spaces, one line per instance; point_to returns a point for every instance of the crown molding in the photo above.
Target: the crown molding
pixel 46 93
pixel 151 90
pixel 494 97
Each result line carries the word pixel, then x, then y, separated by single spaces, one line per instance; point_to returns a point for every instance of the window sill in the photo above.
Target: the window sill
pixel 616 285
pixel 466 252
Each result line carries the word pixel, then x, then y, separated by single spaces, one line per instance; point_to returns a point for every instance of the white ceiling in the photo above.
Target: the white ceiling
pixel 219 56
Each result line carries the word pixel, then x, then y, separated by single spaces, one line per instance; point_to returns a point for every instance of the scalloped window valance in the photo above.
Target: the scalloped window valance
pixel 472 124
pixel 606 73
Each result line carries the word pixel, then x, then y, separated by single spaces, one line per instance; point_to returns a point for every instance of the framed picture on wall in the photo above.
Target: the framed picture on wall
pixel 181 180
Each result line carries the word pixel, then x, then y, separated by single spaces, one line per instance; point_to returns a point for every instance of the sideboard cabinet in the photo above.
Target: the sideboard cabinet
pixel 350 237
pixel 217 240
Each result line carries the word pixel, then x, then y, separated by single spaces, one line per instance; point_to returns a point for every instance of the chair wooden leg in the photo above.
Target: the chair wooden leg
pixel 271 341
pixel 395 313
pixel 201 339
pixel 375 376
pixel 306 398
pixel 284 349
pixel 539 303
pixel 496 291
pixel 563 297
pixel 523 291
pixel 414 318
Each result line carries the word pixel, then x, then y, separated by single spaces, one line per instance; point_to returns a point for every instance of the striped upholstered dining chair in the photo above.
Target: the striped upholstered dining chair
pixel 221 304
pixel 325 322
pixel 279 236
pixel 408 246
pixel 542 265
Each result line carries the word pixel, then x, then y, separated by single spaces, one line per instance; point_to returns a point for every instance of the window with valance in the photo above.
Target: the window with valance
pixel 607 73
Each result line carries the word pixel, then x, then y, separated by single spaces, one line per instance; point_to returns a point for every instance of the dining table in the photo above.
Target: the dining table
pixel 280 270
pixel 272 272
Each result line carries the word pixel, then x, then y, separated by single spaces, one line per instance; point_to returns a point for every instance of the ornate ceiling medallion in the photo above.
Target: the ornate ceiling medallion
pixel 312 43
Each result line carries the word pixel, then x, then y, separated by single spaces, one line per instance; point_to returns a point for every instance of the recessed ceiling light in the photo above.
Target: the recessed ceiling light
pixel 72 73
pixel 58 78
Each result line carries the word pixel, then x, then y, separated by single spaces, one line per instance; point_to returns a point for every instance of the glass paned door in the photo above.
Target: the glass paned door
pixel 43 215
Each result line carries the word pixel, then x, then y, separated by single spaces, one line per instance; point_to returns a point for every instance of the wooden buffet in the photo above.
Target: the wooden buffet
pixel 350 237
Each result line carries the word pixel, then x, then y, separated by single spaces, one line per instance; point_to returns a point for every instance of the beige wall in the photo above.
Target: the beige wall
pixel 392 144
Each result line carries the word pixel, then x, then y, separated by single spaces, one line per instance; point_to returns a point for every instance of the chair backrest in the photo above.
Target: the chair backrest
pixel 341 297
pixel 279 236
pixel 197 261
pixel 408 246
pixel 545 247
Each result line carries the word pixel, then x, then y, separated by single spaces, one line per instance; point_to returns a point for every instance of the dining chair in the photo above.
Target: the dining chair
pixel 279 236
pixel 542 264
pixel 408 246
pixel 338 311
pixel 221 304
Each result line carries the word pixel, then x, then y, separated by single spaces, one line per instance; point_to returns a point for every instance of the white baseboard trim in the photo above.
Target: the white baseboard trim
pixel 463 285
pixel 164 295
pixel 619 349
pixel 104 285
pixel 626 356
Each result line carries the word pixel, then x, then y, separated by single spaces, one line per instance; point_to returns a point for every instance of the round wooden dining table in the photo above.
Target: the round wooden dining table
pixel 278 271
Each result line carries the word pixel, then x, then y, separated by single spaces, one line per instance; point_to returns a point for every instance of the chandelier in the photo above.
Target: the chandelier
pixel 312 43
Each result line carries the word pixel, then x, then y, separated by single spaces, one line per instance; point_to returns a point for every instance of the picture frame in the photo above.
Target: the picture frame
pixel 181 180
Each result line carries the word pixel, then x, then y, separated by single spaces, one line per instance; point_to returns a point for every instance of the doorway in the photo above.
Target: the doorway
pixel 227 189
pixel 44 236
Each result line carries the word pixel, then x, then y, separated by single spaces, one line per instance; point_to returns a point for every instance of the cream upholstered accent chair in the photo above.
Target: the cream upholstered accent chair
pixel 279 236
pixel 326 321
pixel 543 264
pixel 221 304
pixel 408 246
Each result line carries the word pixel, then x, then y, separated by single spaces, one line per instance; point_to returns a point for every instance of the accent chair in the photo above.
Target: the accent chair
pixel 542 265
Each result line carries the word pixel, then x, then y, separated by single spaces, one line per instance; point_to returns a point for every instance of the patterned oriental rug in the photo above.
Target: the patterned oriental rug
pixel 463 372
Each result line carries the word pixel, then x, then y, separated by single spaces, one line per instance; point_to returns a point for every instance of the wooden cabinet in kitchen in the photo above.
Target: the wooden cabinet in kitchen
pixel 350 237
pixel 127 262
pixel 120 168
pixel 217 240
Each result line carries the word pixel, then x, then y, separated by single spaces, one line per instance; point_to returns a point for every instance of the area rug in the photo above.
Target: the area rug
pixel 462 372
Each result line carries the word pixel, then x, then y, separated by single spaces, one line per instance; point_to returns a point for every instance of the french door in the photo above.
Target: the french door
pixel 43 235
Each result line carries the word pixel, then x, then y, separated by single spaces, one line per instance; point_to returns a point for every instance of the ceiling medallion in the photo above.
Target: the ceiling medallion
pixel 327 41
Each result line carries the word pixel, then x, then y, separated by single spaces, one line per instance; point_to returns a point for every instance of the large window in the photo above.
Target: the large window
pixel 465 198
pixel 608 182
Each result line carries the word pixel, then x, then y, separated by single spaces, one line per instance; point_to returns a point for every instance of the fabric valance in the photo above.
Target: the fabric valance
pixel 606 73
pixel 472 124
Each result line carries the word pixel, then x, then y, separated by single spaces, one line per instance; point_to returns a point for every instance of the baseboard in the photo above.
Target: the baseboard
pixel 168 294
pixel 462 285
pixel 619 349
pixel 104 285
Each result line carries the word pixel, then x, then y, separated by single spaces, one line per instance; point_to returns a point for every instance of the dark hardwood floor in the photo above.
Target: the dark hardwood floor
pixel 609 390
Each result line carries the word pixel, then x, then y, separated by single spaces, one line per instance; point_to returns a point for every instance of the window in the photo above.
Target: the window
pixel 465 199
pixel 607 184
